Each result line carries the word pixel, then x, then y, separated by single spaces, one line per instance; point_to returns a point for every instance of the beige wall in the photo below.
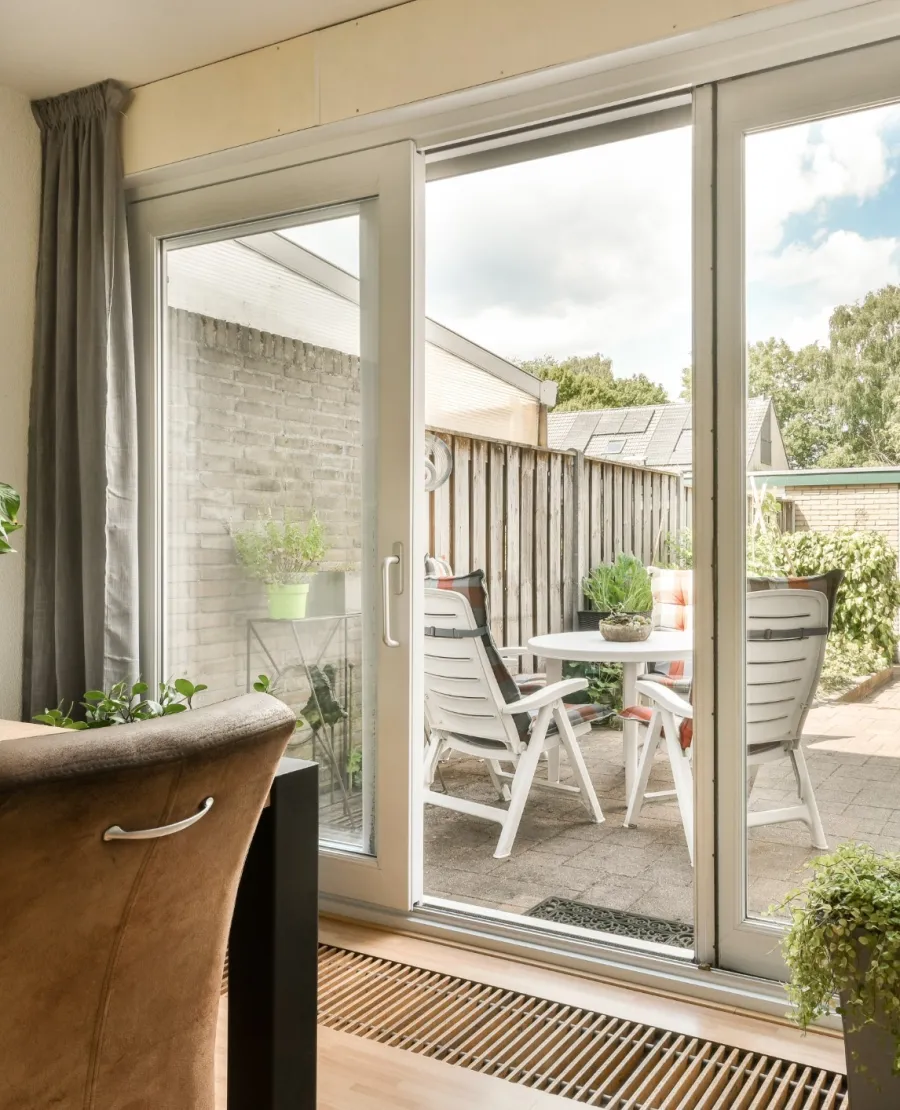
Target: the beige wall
pixel 20 172
pixel 410 53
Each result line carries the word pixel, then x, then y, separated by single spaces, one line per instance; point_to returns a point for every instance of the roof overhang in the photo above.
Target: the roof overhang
pixel 282 251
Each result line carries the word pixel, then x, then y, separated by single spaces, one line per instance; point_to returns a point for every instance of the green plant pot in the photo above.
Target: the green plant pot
pixel 288 603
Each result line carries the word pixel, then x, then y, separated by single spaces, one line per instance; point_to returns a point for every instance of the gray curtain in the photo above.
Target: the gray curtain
pixel 81 602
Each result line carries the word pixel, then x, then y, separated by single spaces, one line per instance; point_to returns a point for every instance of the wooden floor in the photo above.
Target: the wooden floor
pixel 355 1074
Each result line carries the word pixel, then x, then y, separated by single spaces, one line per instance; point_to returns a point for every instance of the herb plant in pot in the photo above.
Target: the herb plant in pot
pixel 620 594
pixel 283 554
pixel 844 939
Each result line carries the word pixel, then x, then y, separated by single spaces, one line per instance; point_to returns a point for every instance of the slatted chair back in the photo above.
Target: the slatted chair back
pixel 786 635
pixel 466 683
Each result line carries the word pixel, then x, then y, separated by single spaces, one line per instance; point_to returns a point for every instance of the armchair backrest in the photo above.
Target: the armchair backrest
pixel 112 949
pixel 466 681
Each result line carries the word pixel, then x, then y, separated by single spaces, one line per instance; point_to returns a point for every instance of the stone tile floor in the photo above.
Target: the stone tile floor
pixel 854 759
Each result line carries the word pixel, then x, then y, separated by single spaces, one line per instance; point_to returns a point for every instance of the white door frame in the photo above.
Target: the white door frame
pixel 390 180
pixel 858 79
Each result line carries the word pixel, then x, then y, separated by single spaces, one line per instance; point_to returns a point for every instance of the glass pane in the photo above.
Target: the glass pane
pixel 823 490
pixel 268 512
pixel 573 269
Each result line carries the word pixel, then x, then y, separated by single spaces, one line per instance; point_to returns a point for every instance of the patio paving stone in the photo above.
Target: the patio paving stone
pixel 853 753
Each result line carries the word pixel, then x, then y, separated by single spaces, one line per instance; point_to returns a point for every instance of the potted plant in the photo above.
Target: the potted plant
pixel 844 939
pixel 620 595
pixel 9 508
pixel 282 554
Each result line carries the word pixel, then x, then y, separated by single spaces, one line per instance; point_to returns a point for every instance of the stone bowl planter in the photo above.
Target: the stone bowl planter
pixel 627 632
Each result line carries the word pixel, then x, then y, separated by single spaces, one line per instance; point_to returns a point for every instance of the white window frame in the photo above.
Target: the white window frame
pixel 824 87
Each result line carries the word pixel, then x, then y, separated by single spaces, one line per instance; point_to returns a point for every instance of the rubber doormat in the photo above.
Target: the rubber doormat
pixel 619 923
pixel 563 1050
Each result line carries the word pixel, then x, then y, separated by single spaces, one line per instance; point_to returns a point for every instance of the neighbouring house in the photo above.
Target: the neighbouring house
pixel 272 284
pixel 660 435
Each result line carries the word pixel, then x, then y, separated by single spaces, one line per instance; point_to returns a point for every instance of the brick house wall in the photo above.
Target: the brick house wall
pixel 828 508
pixel 874 508
pixel 256 423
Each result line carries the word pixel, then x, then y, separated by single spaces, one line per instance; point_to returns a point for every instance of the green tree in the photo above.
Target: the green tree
pixel 793 380
pixel 687 385
pixel 838 405
pixel 587 382
pixel 862 380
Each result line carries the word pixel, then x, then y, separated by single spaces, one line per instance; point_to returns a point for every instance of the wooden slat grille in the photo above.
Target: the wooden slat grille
pixel 563 1050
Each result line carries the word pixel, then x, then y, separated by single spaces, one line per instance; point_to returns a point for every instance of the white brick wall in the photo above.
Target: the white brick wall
pixel 255 423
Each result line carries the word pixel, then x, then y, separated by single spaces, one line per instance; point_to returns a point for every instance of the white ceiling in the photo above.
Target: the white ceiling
pixel 51 46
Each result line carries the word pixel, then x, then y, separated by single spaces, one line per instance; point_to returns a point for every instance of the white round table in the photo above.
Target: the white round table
pixel 590 647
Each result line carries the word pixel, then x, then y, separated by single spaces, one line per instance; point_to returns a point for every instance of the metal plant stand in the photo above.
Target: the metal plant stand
pixel 309 664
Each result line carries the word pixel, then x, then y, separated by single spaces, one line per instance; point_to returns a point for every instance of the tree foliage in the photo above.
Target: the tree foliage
pixel 587 382
pixel 838 405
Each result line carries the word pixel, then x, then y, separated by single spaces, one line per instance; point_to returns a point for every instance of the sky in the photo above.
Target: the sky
pixel 590 251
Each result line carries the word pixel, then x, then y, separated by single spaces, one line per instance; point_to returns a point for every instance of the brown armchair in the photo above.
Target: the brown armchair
pixel 111 947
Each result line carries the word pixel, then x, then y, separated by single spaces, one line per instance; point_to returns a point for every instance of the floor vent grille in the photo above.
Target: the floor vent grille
pixel 563 1050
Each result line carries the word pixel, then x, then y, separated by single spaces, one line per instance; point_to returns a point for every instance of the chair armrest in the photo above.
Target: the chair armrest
pixel 556 692
pixel 666 698
pixel 512 652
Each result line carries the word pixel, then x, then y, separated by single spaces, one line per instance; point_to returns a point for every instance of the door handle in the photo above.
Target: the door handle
pixel 386 563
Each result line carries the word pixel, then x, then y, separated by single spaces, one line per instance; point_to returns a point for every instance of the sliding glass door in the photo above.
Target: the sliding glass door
pixel 572 420
pixel 284 415
pixel 809 309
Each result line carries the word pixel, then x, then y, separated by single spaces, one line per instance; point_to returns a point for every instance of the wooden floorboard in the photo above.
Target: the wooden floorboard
pixel 355 1074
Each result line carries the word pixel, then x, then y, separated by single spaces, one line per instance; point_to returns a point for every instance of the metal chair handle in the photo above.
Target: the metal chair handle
pixel 116 832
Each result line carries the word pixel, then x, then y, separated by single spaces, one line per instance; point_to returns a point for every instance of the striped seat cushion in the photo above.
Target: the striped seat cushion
pixel 577 714
pixel 643 713
pixel 529 683
pixel 827 584
pixel 471 586
pixel 673 611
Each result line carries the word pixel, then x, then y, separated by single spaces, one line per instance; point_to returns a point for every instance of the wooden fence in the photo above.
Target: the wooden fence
pixel 535 521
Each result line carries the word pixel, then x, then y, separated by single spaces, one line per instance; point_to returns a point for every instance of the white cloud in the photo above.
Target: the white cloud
pixel 582 252
pixel 591 250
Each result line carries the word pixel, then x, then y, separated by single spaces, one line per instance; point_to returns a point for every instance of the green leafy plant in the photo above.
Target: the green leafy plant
pixel 868 599
pixel 604 686
pixel 354 767
pixel 281 552
pixel 846 660
pixel 622 587
pixel 845 936
pixel 680 546
pixel 124 703
pixel 10 503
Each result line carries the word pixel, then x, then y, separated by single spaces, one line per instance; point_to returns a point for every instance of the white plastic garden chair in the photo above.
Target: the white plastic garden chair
pixel 473 707
pixel 527 681
pixel 787 630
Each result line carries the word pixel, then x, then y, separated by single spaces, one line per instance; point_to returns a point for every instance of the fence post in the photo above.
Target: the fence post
pixel 582 533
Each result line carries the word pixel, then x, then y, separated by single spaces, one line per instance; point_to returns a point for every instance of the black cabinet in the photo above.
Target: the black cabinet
pixel 272 953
